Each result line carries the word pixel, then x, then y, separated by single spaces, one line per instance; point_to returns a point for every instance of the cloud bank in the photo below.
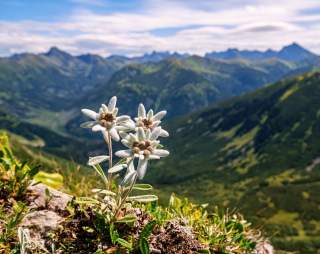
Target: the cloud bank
pixel 183 26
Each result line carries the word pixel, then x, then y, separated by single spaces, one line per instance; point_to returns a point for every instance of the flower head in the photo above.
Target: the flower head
pixel 144 146
pixel 106 120
pixel 150 121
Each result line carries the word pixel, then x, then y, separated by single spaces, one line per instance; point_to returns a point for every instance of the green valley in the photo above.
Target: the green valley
pixel 258 153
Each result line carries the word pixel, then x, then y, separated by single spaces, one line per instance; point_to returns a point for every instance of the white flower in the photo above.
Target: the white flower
pixel 149 120
pixel 106 120
pixel 144 146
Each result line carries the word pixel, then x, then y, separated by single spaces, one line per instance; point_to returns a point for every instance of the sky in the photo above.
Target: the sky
pixel 134 27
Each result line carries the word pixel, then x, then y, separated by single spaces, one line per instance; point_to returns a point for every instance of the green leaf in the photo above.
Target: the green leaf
pixel 147 230
pixel 124 243
pixel 101 173
pixel 143 187
pixel 144 246
pixel 53 180
pixel 86 200
pixel 105 192
pixel 143 198
pixel 127 219
pixel 97 160
pixel 117 168
pixel 114 235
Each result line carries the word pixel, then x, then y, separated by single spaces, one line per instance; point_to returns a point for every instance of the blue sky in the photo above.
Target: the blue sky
pixel 133 27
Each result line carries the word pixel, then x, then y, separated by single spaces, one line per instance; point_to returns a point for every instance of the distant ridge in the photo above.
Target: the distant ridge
pixel 292 52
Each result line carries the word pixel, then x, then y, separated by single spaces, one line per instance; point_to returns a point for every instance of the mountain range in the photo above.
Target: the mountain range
pixel 243 124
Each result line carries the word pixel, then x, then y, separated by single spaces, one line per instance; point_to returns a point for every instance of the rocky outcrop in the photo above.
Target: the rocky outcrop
pixel 47 211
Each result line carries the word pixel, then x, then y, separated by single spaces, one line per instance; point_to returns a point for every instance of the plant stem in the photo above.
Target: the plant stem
pixel 110 160
pixel 125 197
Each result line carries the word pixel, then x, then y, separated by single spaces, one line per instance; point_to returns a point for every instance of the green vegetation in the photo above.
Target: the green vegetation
pixel 85 229
pixel 256 153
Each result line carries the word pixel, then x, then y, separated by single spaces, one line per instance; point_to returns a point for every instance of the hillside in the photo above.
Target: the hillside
pixel 185 85
pixel 258 153
pixel 54 85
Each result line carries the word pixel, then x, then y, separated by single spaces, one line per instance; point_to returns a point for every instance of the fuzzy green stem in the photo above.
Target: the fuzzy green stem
pixel 125 197
pixel 110 160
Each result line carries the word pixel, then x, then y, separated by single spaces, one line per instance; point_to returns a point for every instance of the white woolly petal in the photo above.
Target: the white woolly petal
pixel 97 159
pixel 112 103
pixel 141 134
pixel 129 124
pixel 126 143
pixel 123 153
pixel 98 127
pixel 150 114
pixel 142 168
pixel 115 112
pixel 89 124
pixel 132 137
pixel 159 115
pixel 123 118
pixel 104 108
pixel 153 157
pixel 90 113
pixel 141 111
pixel 105 136
pixel 114 134
pixel 148 134
pixel 164 133
pixel 155 124
pixel 124 135
pixel 155 133
pixel 160 152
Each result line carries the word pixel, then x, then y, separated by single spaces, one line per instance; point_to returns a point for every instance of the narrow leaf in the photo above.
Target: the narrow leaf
pixel 117 168
pixel 142 187
pixel 144 198
pixel 127 219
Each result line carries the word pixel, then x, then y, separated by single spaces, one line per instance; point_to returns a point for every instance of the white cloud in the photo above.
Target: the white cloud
pixel 203 27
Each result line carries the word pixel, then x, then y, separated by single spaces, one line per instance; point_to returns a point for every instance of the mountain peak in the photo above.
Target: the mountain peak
pixel 55 51
pixel 294 52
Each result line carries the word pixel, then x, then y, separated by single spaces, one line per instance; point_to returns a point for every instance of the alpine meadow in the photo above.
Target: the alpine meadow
pixel 159 127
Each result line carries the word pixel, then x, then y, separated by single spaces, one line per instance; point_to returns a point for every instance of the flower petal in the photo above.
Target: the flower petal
pixel 141 134
pixel 88 124
pixel 155 133
pixel 112 103
pixel 124 153
pixel 153 157
pixel 164 133
pixel 142 168
pixel 98 127
pixel 90 113
pixel 129 124
pixel 114 134
pixel 97 159
pixel 160 152
pixel 104 108
pixel 123 118
pixel 141 111
pixel 123 135
pixel 105 136
pixel 150 114
pixel 159 115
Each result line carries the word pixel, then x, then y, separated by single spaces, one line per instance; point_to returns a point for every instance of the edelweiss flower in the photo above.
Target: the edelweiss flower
pixel 142 145
pixel 149 121
pixel 106 120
